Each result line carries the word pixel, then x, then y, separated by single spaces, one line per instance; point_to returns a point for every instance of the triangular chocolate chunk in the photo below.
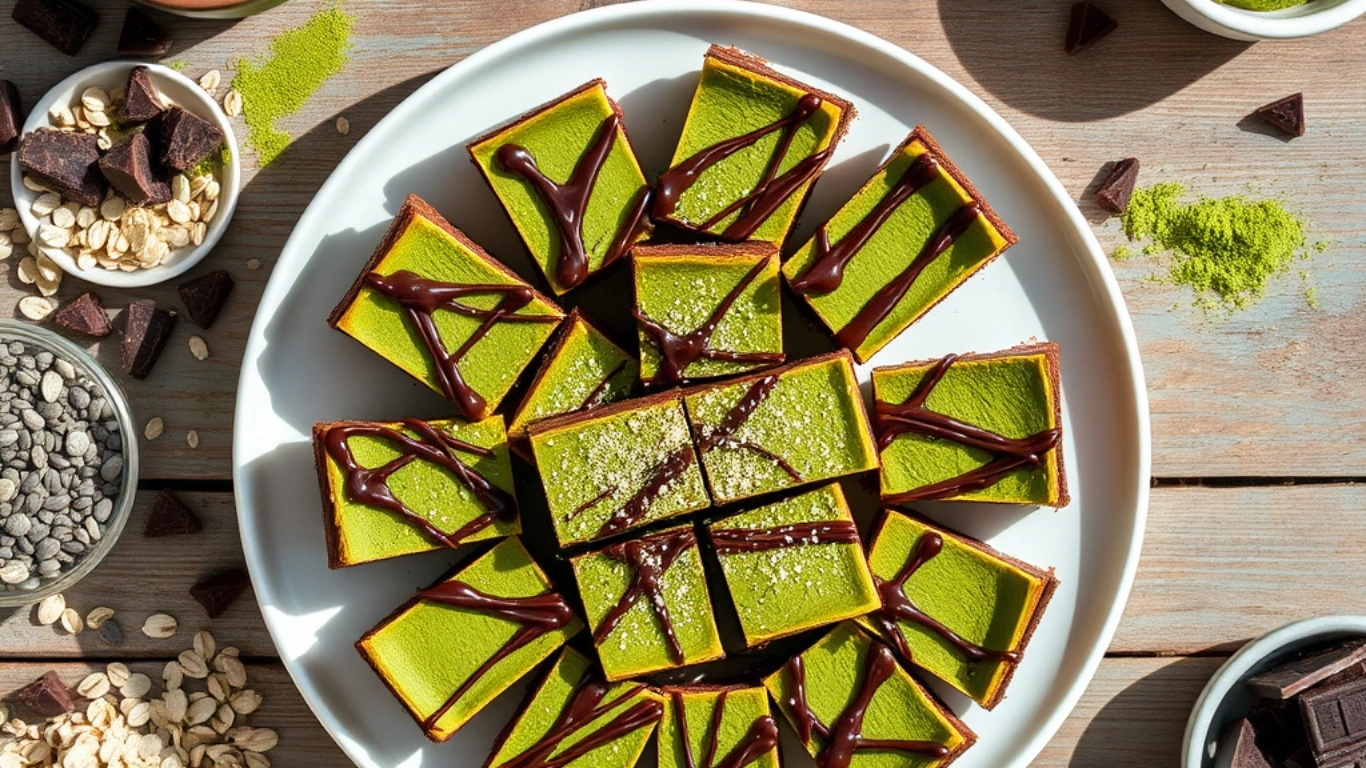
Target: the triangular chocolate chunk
pixel 1238 747
pixel 170 517
pixel 205 296
pixel 142 37
pixel 141 102
pixel 83 314
pixel 129 168
pixel 1118 187
pixel 145 334
pixel 1088 25
pixel 1286 114
pixel 217 592
pixel 184 138
pixel 46 696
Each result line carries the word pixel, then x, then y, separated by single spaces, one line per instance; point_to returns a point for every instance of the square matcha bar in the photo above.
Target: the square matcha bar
pixel 973 428
pixel 647 604
pixel 953 606
pixel 435 304
pixel 569 180
pixel 794 565
pixel 915 231
pixel 617 467
pixel 717 727
pixel 582 370
pixel 780 429
pixel 397 488
pixel 851 704
pixel 707 311
pixel 753 143
pixel 499 611
pixel 572 719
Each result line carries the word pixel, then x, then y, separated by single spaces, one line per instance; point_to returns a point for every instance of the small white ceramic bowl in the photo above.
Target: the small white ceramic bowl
pixel 175 88
pixel 1226 699
pixel 1312 18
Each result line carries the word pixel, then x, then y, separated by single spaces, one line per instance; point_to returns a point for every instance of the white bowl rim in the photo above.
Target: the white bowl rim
pixel 1277 25
pixel 230 181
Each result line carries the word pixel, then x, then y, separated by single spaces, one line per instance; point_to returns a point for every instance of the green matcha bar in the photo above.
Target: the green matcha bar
pixel 799 424
pixel 397 488
pixel 717 727
pixel 953 606
pixel 647 604
pixel 851 704
pixel 794 565
pixel 582 370
pixel 705 311
pixel 435 304
pixel 614 468
pixel 569 180
pixel 502 615
pixel 982 427
pixel 915 231
pixel 572 719
pixel 753 143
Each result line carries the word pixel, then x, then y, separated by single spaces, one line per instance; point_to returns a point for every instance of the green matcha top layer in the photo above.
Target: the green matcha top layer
pixel 558 136
pixel 623 716
pixel 583 370
pixel 806 424
pixel 420 243
pixel 361 533
pixel 794 565
pixel 908 227
pixel 738 94
pixel 835 671
pixel 617 467
pixel 1012 394
pixel 410 650
pixel 731 725
pixel 623 587
pixel 988 601
pixel 724 296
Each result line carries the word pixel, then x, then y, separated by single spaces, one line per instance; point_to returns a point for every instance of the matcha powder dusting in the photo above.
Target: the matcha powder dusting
pixel 278 84
pixel 1225 249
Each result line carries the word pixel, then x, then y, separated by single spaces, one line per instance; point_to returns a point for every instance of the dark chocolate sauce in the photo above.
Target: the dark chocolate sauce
pixel 1008 454
pixel 766 197
pixel 369 486
pixel 648 559
pixel 583 709
pixel 594 398
pixel 723 434
pixel 420 298
pixel 759 740
pixel 730 541
pixel 634 510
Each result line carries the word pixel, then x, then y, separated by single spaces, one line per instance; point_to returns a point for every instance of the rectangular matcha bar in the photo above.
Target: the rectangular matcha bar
pixel 717 727
pixel 983 427
pixel 798 424
pixel 794 565
pixel 398 488
pixel 916 231
pixel 435 304
pixel 705 311
pixel 753 143
pixel 499 611
pixel 569 180
pixel 953 606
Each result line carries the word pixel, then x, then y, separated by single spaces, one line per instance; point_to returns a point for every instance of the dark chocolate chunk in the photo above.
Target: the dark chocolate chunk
pixel 1286 680
pixel 205 296
pixel 170 517
pixel 185 138
pixel 46 696
pixel 145 335
pixel 66 24
pixel 141 101
pixel 66 163
pixel 1335 718
pixel 11 117
pixel 1279 729
pixel 217 592
pixel 129 168
pixel 1238 747
pixel 1089 24
pixel 142 37
pixel 1286 114
pixel 111 632
pixel 1118 187
pixel 83 314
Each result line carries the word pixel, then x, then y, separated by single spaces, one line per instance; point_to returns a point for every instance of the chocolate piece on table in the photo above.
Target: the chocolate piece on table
pixel 145 335
pixel 66 163
pixel 170 517
pixel 66 24
pixel 186 138
pixel 83 314
pixel 1118 187
pixel 11 117
pixel 46 696
pixel 1238 747
pixel 1335 720
pixel 129 167
pixel 217 592
pixel 141 101
pixel 1286 114
pixel 205 296
pixel 1288 679
pixel 1089 24
pixel 142 37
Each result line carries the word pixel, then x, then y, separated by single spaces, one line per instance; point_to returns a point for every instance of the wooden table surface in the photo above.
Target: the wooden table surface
pixel 1258 516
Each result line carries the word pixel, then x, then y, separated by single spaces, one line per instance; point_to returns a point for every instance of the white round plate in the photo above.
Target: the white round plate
pixel 1054 285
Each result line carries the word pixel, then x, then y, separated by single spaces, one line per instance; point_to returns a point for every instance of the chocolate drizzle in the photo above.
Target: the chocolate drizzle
pixel 634 509
pixel 681 350
pixel 583 709
pixel 568 202
pixel 759 740
pixel 420 298
pixel 766 197
pixel 723 434
pixel 1008 454
pixel 729 541
pixel 538 615
pixel 370 485
pixel 594 398
pixel 648 559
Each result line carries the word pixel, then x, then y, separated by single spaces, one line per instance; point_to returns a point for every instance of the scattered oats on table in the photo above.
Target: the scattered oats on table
pixel 199 348
pixel 154 428
pixel 159 626
pixel 192 438
pixel 343 125
pixel 211 80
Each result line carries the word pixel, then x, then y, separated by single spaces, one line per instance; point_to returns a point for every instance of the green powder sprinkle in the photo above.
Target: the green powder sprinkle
pixel 1122 253
pixel 1311 297
pixel 177 64
pixel 277 85
pixel 1225 249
